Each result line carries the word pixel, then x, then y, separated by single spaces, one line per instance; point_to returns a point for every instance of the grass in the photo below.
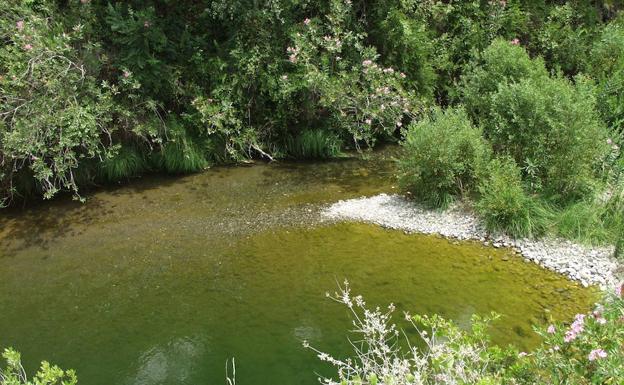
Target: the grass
pixel 127 163
pixel 181 156
pixel 314 144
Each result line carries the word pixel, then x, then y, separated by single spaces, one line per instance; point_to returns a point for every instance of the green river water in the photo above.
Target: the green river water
pixel 162 280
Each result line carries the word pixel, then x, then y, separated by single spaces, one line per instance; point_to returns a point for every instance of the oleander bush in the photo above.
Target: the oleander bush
pixel 444 156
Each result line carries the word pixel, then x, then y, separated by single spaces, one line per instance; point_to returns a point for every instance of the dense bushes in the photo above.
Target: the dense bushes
pixel 553 158
pixel 443 157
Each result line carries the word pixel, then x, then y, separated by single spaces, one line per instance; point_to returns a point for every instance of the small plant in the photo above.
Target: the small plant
pixel 444 155
pixel 14 373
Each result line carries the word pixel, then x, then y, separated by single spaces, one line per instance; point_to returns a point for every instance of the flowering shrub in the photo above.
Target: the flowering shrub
pixel 52 112
pixel 363 99
pixel 588 351
pixel 442 355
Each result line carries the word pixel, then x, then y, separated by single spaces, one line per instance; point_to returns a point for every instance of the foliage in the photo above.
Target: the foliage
pixel 314 144
pixel 444 155
pixel 14 373
pixel 126 163
pixel 588 351
pixel 448 355
pixel 607 67
pixel 505 206
pixel 547 124
pixel 53 114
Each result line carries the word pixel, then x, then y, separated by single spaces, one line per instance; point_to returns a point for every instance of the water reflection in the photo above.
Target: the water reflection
pixel 171 363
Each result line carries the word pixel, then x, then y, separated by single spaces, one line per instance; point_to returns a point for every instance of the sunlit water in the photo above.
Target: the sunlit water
pixel 163 280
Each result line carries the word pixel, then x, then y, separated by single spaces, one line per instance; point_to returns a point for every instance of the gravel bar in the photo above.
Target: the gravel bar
pixel 587 265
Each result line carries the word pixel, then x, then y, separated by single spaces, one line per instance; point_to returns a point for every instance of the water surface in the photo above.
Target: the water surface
pixel 162 280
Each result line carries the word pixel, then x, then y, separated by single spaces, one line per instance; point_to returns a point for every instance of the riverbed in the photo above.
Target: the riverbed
pixel 163 279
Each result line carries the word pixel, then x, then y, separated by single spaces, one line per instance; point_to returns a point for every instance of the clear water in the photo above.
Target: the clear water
pixel 164 279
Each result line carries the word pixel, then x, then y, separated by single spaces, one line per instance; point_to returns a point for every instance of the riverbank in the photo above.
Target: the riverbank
pixel 587 265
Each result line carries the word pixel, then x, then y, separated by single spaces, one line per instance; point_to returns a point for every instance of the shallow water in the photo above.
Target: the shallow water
pixel 162 280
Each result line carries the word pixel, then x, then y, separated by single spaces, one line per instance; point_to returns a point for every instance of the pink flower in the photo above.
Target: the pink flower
pixel 126 74
pixel 28 47
pixel 20 25
pixel 515 42
pixel 551 329
pixel 307 21
pixel 618 290
pixel 596 354
pixel 609 141
pixel 367 62
pixel 569 336
pixel 522 354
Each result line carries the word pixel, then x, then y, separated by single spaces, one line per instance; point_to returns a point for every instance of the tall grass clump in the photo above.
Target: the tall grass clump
pixel 314 144
pixel 504 205
pixel 181 156
pixel 443 156
pixel 126 163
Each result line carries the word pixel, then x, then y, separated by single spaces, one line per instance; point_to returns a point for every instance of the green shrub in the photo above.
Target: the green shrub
pixel 54 113
pixel 128 162
pixel 563 40
pixel 443 156
pixel 500 63
pixel 552 130
pixel 314 144
pixel 607 67
pixel 504 205
pixel 15 374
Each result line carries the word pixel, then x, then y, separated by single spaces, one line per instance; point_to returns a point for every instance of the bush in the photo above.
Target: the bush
pixel 53 111
pixel 607 67
pixel 504 205
pixel 443 156
pixel 314 144
pixel 14 373
pixel 588 351
pixel 500 63
pixel 441 353
pixel 551 128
